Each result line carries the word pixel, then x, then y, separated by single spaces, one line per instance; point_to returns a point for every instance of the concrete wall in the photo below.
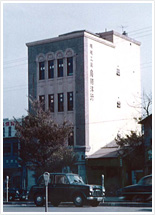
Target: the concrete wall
pixel 104 120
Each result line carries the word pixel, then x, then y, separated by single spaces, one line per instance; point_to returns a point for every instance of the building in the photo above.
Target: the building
pixel 11 166
pixel 19 175
pixel 89 79
pixel 147 130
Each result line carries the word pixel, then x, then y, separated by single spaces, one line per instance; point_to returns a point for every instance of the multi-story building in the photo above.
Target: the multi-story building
pixel 19 175
pixel 11 166
pixel 92 80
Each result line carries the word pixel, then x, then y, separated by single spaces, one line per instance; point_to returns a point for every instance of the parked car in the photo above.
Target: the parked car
pixel 23 195
pixel 13 194
pixel 142 191
pixel 66 187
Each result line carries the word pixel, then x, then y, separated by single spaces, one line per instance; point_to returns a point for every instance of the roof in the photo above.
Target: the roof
pixel 146 119
pixel 80 33
pixel 109 151
pixel 125 37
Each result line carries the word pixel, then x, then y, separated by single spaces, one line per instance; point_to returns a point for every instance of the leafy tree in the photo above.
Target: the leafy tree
pixel 131 149
pixel 44 142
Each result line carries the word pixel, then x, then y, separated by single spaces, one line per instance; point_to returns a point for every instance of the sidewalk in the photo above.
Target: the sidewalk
pixel 109 201
pixel 116 201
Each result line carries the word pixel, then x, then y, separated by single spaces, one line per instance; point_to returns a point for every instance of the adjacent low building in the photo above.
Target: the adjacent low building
pixel 11 146
pixel 19 175
pixel 147 130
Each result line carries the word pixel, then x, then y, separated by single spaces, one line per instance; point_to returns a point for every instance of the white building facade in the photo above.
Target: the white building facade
pixel 92 80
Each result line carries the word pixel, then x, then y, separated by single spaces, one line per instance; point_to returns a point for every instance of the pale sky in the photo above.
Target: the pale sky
pixel 27 22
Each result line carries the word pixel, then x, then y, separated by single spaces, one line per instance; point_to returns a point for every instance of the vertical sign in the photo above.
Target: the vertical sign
pixel 91 72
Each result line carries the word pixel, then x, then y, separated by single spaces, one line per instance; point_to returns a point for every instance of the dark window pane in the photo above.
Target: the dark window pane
pixel 71 139
pixel 9 132
pixel 118 104
pixel 51 69
pixel 60 67
pixel 3 132
pixel 60 102
pixel 7 149
pixel 15 148
pixel 70 101
pixel 51 102
pixel 42 101
pixel 41 70
pixel 69 66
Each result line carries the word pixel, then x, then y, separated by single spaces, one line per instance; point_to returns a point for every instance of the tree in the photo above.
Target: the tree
pixel 131 149
pixel 44 142
pixel 143 106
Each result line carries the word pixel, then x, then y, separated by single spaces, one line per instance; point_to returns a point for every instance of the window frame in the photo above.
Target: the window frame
pixel 70 103
pixel 42 101
pixel 50 70
pixel 51 104
pixel 69 68
pixel 60 103
pixel 41 71
pixel 60 69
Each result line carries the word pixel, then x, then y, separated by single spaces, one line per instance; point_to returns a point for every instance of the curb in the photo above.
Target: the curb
pixel 106 203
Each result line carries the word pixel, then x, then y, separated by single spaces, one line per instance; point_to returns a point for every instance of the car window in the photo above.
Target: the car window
pixel 61 179
pixel 41 180
pixel 73 179
pixel 145 181
pixel 51 179
pixel 148 181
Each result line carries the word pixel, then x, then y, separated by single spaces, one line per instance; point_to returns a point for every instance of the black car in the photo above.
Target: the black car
pixel 23 195
pixel 142 191
pixel 66 187
pixel 13 194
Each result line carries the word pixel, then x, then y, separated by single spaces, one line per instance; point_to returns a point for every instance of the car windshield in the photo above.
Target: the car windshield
pixel 74 179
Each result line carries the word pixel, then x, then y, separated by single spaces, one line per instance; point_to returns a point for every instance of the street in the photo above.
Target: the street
pixel 72 208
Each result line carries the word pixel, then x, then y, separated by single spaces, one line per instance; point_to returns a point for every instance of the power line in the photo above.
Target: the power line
pixel 7 67
pixel 141 29
pixel 15 60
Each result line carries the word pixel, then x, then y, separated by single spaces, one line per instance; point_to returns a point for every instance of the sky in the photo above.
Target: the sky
pixel 28 22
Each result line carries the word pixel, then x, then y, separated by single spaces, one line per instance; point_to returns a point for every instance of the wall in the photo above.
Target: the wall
pixel 102 91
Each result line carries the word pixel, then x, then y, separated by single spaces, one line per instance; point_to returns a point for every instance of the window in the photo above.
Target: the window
pixel 15 148
pixel 60 102
pixel 41 70
pixel 118 72
pixel 51 69
pixel 9 131
pixel 61 179
pixel 71 139
pixel 60 67
pixel 118 104
pixel 70 66
pixel 41 180
pixel 70 101
pixel 51 102
pixel 7 149
pixel 42 101
pixel 3 132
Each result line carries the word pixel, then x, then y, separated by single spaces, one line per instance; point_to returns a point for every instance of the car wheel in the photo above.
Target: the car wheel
pixel 55 203
pixel 137 198
pixel 94 203
pixel 78 200
pixel 39 200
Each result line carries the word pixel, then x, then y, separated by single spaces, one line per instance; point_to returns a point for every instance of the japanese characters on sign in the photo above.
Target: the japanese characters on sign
pixel 91 73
